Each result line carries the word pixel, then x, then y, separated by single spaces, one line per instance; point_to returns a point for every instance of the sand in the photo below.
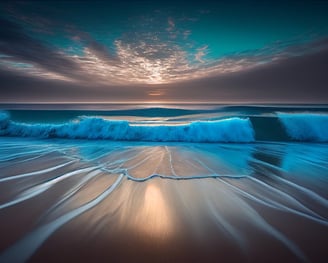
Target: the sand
pixel 100 201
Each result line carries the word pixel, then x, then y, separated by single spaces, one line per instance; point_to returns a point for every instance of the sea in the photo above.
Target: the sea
pixel 163 183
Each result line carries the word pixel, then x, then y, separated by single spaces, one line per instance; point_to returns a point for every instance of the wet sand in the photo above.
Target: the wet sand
pixel 100 201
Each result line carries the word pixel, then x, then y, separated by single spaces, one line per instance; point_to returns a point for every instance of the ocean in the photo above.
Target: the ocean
pixel 163 183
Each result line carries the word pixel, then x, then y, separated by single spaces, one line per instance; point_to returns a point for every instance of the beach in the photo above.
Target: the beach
pixel 163 131
pixel 81 201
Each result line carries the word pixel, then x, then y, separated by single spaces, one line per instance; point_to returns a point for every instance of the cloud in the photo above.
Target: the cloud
pixel 137 57
pixel 157 92
pixel 98 49
pixel 186 34
pixel 20 87
pixel 171 24
pixel 300 78
pixel 20 47
pixel 153 63
pixel 201 52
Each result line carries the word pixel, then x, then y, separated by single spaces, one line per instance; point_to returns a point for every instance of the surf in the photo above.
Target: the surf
pixel 226 125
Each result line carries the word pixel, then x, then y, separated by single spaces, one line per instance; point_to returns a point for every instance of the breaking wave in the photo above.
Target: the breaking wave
pixel 311 127
pixel 305 127
pixel 227 130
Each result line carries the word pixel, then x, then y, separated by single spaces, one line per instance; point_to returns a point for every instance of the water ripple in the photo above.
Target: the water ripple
pixel 229 193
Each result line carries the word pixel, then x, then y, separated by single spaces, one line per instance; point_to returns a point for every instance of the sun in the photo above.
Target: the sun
pixel 157 92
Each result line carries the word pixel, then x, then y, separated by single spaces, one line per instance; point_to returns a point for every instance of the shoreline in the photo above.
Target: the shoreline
pixel 73 210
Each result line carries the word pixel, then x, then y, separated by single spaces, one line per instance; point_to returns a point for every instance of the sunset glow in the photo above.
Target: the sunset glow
pixel 70 51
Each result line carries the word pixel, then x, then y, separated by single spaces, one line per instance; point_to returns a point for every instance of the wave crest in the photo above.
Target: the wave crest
pixel 238 129
pixel 226 130
pixel 305 127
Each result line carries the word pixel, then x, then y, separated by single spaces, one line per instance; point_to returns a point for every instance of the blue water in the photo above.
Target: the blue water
pixel 171 183
pixel 180 123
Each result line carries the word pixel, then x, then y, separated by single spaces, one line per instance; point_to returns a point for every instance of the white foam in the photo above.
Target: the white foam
pixel 225 130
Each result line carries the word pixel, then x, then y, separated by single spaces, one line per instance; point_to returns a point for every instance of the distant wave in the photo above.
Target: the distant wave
pixel 276 127
pixel 305 127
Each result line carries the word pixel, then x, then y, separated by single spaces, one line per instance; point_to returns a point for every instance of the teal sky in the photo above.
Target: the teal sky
pixel 225 28
pixel 130 43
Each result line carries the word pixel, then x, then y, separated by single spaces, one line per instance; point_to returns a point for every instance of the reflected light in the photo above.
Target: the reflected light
pixel 154 215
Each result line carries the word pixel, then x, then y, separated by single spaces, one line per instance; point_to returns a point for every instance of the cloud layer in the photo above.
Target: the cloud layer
pixel 162 62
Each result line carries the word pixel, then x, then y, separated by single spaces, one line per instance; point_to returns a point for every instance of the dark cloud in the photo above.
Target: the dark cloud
pixel 20 87
pixel 101 51
pixel 97 48
pixel 280 73
pixel 296 79
pixel 14 42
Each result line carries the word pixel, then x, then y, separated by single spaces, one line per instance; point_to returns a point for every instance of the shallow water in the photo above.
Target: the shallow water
pixel 109 201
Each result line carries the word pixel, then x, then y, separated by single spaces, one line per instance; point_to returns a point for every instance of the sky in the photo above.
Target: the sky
pixel 164 51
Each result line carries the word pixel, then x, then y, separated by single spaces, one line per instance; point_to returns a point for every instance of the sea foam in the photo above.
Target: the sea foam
pixel 225 130
pixel 312 127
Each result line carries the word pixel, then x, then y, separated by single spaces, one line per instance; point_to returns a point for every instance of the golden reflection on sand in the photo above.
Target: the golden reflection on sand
pixel 154 217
